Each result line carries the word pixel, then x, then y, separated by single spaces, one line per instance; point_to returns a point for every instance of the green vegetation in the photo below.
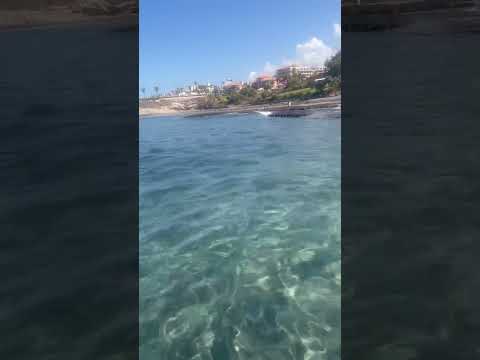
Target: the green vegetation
pixel 296 82
pixel 213 102
pixel 334 66
pixel 300 94
pixel 298 88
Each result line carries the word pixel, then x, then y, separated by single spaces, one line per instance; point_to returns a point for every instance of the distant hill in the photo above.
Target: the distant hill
pixel 89 7
pixel 106 7
pixel 15 14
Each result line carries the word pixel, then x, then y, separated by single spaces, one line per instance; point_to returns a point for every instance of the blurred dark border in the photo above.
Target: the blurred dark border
pixel 69 180
pixel 410 180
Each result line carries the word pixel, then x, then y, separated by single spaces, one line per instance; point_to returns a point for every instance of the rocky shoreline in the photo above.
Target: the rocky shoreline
pixel 24 16
pixel 326 102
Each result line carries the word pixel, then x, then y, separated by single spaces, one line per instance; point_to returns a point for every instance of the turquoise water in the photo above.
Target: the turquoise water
pixel 240 238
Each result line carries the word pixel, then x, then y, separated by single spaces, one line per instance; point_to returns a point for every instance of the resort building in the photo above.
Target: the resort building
pixel 303 71
pixel 264 81
pixel 230 85
pixel 279 84
pixel 206 89
pixel 227 82
pixel 195 90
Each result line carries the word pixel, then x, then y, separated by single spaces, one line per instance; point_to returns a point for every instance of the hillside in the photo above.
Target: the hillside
pixel 34 13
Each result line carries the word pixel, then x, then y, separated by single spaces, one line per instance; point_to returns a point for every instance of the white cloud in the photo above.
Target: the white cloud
pixel 314 52
pixel 337 30
pixel 311 52
pixel 269 68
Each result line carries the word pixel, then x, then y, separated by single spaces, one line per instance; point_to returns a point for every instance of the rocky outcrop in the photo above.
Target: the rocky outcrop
pixel 106 7
pixel 88 7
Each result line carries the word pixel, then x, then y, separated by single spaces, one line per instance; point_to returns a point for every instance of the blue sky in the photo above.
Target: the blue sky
pixel 182 41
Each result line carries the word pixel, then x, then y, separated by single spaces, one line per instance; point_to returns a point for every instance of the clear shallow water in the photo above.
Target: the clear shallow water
pixel 240 238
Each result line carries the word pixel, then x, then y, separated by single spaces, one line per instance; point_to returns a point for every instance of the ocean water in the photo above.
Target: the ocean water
pixel 240 237
pixel 69 225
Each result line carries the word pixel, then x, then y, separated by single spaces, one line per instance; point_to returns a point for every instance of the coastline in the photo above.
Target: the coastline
pixel 319 103
pixel 27 20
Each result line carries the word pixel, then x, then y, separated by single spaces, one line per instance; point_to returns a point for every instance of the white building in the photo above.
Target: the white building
pixel 302 70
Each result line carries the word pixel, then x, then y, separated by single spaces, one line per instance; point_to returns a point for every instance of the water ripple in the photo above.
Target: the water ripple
pixel 240 238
